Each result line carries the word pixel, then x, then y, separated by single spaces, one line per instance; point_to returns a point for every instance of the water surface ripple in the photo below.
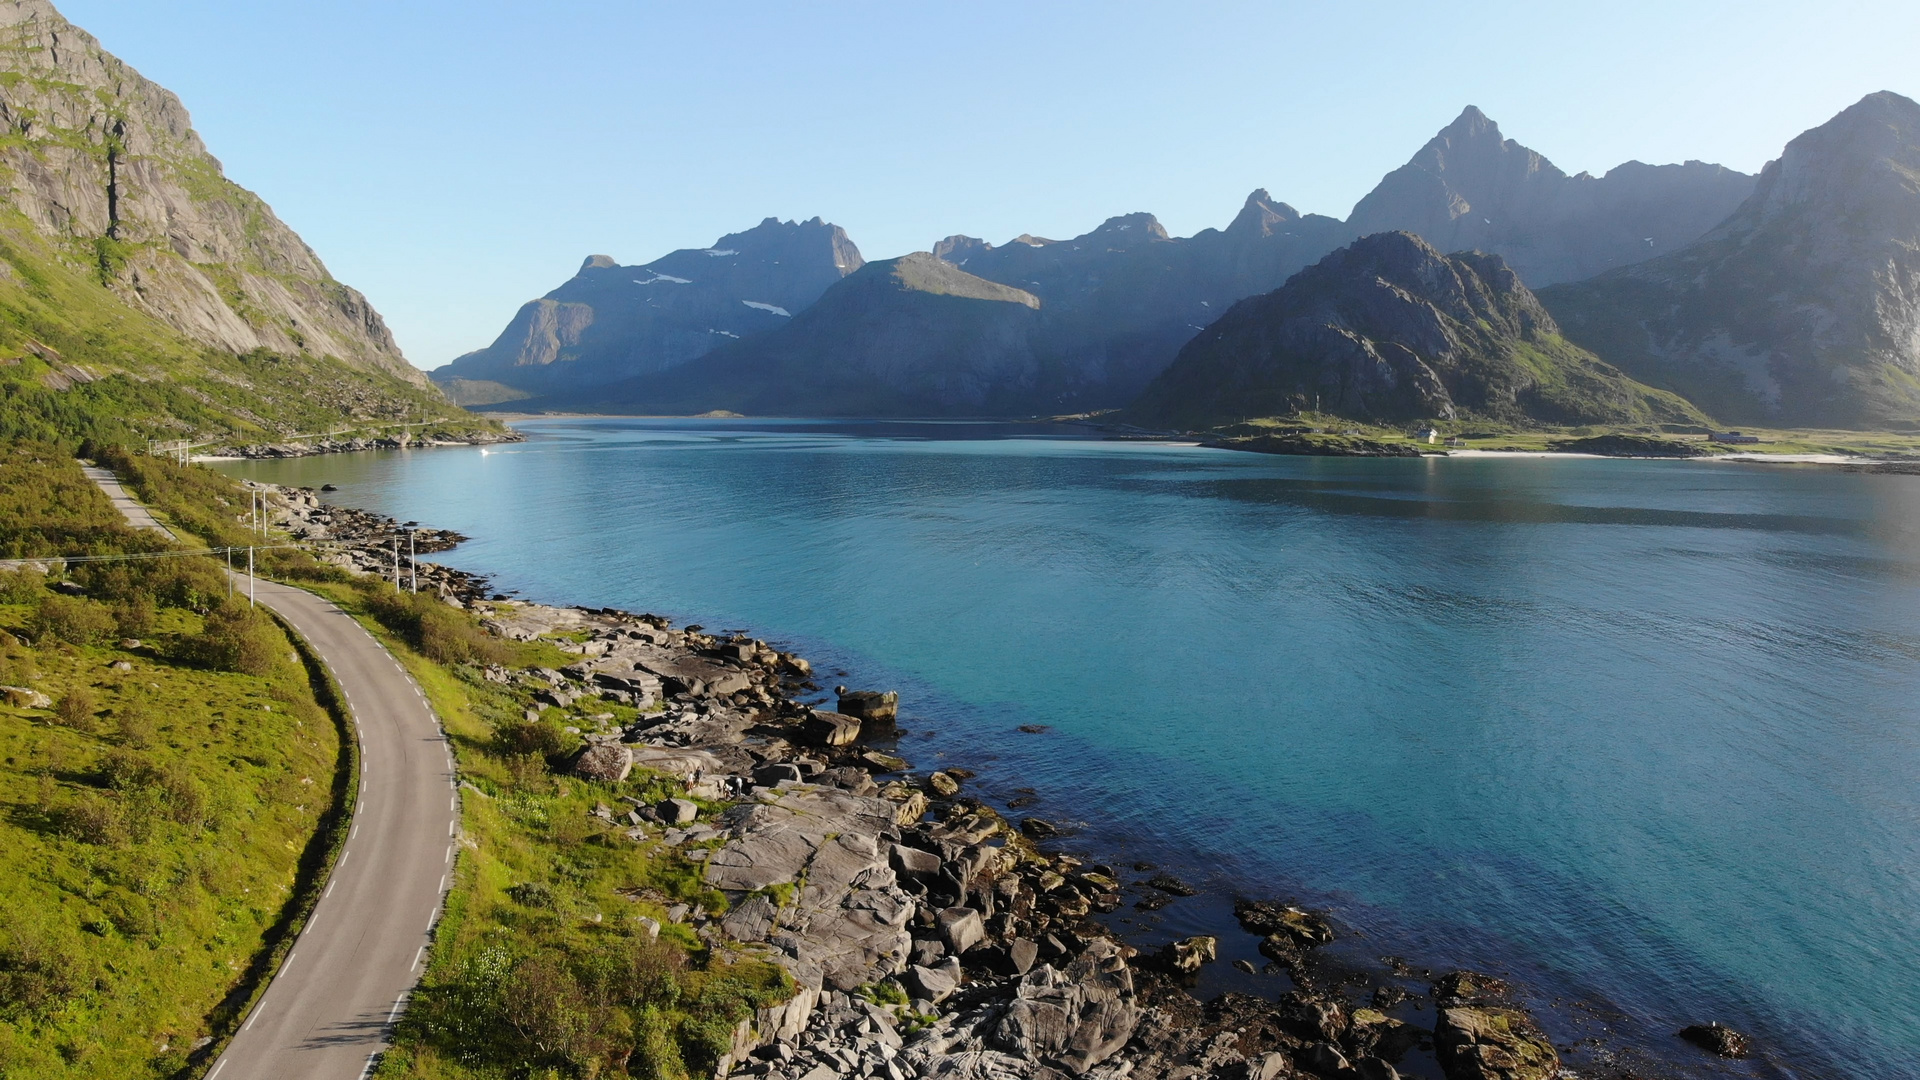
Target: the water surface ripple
pixel 1642 733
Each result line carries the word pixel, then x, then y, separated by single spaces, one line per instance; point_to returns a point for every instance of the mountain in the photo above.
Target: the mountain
pixel 102 167
pixel 612 322
pixel 913 336
pixel 1471 188
pixel 1118 302
pixel 1803 307
pixel 142 293
pixel 1388 329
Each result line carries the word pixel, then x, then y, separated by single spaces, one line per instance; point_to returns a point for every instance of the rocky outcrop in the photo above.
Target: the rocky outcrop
pixel 1482 1035
pixel 1470 188
pixel 1803 307
pixel 104 168
pixel 612 322
pixel 1389 329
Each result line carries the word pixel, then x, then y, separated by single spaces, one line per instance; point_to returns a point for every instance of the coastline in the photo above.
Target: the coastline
pixel 1325 1012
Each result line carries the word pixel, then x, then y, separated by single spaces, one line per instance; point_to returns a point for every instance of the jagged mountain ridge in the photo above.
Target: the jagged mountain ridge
pixel 1803 307
pixel 1389 329
pixel 912 336
pixel 103 174
pixel 610 322
pixel 1470 188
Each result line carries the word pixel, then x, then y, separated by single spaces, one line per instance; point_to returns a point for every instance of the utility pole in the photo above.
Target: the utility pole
pixel 413 565
pixel 229 570
pixel 396 562
pixel 249 575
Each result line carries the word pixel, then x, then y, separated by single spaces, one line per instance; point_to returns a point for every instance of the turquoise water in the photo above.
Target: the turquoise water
pixel 1641 733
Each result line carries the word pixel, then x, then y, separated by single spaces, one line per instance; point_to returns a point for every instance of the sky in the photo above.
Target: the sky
pixel 453 159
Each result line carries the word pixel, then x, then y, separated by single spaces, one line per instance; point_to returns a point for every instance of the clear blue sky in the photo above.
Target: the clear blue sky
pixel 455 158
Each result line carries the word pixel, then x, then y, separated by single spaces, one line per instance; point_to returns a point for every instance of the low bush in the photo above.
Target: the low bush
pixel 72 619
pixel 441 632
pixel 75 709
pixel 238 638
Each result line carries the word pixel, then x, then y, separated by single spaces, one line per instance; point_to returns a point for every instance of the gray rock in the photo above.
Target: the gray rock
pixel 21 697
pixel 831 729
pixel 1076 1017
pixel 1021 955
pixel 962 929
pixel 934 984
pixel 677 811
pixel 1188 955
pixel 927 952
pixel 1270 1066
pixel 876 705
pixel 607 763
pixel 773 773
pixel 1323 1058
pixel 911 862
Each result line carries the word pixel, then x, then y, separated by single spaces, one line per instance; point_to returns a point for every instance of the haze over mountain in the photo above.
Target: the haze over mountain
pixel 1115 304
pixel 1389 329
pixel 1472 189
pixel 1803 307
pixel 913 336
pixel 610 322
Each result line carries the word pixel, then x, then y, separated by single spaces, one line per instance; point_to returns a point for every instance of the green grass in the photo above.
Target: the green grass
pixel 541 960
pixel 162 826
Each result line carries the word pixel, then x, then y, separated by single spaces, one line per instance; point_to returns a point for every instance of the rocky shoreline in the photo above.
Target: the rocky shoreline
pixel 310 448
pixel 930 936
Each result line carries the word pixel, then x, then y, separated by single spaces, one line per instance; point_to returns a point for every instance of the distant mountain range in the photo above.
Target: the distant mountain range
pixel 1115 304
pixel 1793 298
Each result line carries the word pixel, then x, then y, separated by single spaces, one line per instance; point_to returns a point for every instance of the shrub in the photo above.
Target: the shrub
pixel 133 614
pixel 167 790
pixel 39 972
pixel 238 638
pixel 72 619
pixel 95 820
pixel 21 586
pixel 441 632
pixel 522 737
pixel 75 709
pixel 135 723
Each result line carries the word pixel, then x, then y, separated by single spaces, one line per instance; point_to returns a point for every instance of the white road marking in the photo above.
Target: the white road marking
pixel 217 1068
pixel 449 857
pixel 397 1002
pixel 432 915
pixel 364 1069
pixel 330 886
pixel 450 826
pixel 343 857
pixel 416 957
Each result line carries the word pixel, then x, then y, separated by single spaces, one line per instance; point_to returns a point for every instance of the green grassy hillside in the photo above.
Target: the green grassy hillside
pixel 168 778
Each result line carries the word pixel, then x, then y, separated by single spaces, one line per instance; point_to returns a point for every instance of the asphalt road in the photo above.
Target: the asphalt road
pixel 330 1008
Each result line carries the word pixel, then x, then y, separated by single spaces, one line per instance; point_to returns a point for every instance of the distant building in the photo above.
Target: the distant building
pixel 1427 435
pixel 1731 437
pixel 1456 441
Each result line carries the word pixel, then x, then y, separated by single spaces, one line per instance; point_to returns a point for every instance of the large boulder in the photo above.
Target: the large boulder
pixel 1487 1042
pixel 879 706
pixel 607 763
pixel 830 729
pixel 1076 1017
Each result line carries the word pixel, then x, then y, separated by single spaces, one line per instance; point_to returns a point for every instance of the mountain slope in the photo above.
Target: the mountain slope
pixel 104 170
pixel 913 336
pixel 1803 308
pixel 1389 329
pixel 1118 302
pixel 611 322
pixel 1471 188
pixel 144 295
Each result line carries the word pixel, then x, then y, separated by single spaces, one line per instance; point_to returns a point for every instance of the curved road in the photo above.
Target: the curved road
pixel 331 1006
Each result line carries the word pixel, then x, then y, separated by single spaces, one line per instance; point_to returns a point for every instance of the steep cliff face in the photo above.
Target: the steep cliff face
pixel 611 322
pixel 1390 329
pixel 1471 188
pixel 1803 307
pixel 100 169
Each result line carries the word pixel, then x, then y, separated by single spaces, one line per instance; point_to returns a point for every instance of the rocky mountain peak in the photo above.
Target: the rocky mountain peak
pixel 957 249
pixel 1261 215
pixel 598 262
pixel 1131 228
pixel 1388 328
pixel 1863 161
